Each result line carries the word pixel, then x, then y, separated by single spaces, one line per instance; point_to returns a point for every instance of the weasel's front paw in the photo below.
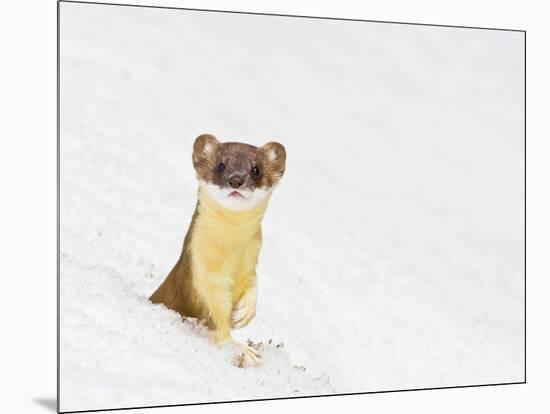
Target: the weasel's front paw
pixel 244 310
pixel 249 357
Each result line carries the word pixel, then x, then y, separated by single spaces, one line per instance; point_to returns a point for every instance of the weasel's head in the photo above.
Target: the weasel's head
pixel 238 176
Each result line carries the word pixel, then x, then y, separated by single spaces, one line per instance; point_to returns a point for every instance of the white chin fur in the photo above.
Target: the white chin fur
pixel 221 196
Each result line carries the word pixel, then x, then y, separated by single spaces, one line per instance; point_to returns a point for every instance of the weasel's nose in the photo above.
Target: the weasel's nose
pixel 236 181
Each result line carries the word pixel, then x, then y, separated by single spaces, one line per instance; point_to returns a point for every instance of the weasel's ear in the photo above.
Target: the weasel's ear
pixel 204 149
pixel 274 160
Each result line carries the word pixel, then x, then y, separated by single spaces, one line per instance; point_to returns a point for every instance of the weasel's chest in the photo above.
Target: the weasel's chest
pixel 228 248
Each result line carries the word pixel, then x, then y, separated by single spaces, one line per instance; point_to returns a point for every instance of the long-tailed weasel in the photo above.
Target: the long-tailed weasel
pixel 215 277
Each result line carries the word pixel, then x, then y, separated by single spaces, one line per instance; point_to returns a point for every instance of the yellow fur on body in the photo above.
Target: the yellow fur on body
pixel 224 246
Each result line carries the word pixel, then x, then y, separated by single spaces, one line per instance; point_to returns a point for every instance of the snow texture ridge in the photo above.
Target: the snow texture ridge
pixel 115 340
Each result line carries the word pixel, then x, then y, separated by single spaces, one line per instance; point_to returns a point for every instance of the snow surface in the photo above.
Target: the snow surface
pixel 393 249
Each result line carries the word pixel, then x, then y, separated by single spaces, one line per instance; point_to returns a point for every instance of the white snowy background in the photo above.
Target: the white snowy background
pixel 393 249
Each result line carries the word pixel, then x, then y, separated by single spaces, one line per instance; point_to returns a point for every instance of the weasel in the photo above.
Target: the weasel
pixel 215 277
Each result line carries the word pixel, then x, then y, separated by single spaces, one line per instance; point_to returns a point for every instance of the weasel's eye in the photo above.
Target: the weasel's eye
pixel 255 171
pixel 220 167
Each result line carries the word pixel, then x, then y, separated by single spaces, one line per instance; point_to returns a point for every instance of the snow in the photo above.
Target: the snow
pixel 393 248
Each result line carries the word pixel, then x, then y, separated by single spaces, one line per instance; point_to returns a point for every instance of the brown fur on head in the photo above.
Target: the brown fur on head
pixel 238 175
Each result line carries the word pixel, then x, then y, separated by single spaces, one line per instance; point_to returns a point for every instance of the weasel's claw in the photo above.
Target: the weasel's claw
pixel 243 313
pixel 248 358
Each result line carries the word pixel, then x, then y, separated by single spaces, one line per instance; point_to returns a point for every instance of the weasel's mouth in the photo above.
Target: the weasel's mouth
pixel 235 194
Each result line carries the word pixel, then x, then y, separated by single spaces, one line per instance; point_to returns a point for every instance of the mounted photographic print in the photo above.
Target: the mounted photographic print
pixel 257 206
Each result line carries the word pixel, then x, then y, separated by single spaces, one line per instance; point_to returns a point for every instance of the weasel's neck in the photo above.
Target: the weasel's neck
pixel 208 208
